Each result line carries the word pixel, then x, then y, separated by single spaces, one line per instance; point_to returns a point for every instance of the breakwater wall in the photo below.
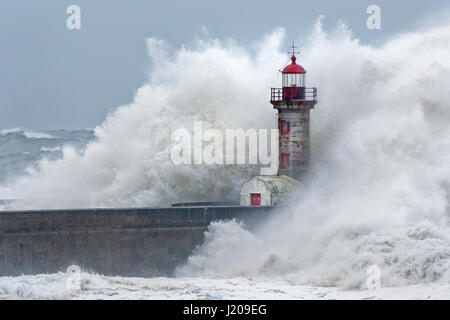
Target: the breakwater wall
pixel 142 242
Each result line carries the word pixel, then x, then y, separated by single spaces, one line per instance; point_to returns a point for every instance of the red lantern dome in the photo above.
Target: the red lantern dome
pixel 293 67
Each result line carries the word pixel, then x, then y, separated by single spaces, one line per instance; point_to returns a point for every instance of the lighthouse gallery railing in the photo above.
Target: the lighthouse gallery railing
pixel 278 94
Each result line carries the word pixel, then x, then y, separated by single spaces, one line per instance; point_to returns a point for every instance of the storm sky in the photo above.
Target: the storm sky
pixel 55 78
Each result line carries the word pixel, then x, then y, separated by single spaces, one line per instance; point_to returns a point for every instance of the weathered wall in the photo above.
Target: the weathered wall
pixel 297 142
pixel 126 242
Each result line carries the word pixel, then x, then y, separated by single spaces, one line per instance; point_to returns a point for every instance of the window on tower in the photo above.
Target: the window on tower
pixel 293 80
pixel 284 127
pixel 284 160
pixel 301 80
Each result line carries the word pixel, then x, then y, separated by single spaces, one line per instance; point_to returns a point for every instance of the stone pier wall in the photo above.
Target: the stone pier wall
pixel 127 242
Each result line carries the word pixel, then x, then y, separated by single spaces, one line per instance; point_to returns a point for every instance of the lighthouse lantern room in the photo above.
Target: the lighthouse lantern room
pixel 293 80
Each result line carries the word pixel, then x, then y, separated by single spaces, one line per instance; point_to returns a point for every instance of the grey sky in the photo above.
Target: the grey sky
pixel 52 77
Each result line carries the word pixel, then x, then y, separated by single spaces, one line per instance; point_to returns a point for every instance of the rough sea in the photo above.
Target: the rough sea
pixel 377 193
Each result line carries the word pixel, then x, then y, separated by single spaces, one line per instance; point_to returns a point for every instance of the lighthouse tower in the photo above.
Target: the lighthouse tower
pixel 293 102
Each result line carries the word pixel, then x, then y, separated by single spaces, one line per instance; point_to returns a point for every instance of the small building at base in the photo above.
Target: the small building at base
pixel 266 190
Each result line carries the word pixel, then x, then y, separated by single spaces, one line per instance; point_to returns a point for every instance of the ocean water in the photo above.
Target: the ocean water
pixel 21 149
pixel 377 193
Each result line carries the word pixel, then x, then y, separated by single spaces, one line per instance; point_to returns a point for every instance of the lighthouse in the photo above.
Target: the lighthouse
pixel 293 102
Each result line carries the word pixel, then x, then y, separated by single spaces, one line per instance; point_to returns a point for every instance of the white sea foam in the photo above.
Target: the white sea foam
pixel 378 188
pixel 94 286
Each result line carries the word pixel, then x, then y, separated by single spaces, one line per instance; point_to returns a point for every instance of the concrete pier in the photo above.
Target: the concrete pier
pixel 141 242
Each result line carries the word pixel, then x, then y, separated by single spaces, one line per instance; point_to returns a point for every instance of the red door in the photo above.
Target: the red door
pixel 255 199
